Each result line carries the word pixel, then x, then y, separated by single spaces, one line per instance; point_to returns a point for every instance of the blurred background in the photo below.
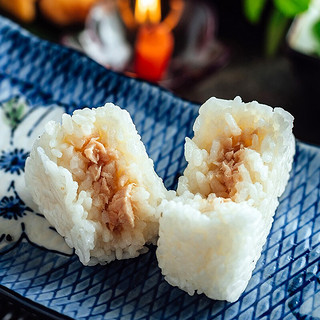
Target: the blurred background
pixel 264 50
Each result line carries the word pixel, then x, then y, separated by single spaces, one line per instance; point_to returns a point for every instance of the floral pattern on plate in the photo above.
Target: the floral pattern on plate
pixel 19 219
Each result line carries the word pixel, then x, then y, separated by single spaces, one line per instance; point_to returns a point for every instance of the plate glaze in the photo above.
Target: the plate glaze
pixel 38 82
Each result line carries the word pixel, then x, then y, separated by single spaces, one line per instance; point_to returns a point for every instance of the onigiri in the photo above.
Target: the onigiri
pixel 94 182
pixel 238 162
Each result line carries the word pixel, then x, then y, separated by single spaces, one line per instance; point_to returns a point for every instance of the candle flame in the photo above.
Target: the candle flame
pixel 147 11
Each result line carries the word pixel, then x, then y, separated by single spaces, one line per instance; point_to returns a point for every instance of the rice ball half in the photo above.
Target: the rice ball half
pixel 93 180
pixel 211 235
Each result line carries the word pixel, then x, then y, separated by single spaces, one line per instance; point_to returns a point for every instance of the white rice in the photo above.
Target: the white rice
pixel 94 182
pixel 212 234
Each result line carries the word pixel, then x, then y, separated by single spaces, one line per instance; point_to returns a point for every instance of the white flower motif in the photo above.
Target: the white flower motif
pixel 20 219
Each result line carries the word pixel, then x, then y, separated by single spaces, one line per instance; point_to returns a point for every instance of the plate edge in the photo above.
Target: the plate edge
pixel 31 306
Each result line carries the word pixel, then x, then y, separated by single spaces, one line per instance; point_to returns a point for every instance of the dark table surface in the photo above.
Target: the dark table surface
pixel 274 82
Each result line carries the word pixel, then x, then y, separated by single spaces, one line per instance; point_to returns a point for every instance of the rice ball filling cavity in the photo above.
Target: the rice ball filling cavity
pixel 225 158
pixel 111 190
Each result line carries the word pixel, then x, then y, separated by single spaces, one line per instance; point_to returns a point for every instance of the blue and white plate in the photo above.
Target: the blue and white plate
pixel 38 82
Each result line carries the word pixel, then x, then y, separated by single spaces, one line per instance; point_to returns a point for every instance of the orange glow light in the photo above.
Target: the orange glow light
pixel 147 11
pixel 153 50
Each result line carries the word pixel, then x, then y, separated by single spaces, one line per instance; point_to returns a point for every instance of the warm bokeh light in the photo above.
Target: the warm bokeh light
pixel 147 11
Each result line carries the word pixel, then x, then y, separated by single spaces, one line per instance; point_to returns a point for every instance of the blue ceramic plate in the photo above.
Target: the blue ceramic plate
pixel 38 82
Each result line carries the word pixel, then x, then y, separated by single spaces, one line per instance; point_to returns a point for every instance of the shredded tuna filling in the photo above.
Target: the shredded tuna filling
pixel 224 171
pixel 111 190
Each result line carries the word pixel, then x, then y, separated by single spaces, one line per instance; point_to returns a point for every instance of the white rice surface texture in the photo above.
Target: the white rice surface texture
pixel 93 180
pixel 211 235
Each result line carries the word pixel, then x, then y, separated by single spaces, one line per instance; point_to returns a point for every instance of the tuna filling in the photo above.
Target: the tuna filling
pixel 111 189
pixel 224 170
